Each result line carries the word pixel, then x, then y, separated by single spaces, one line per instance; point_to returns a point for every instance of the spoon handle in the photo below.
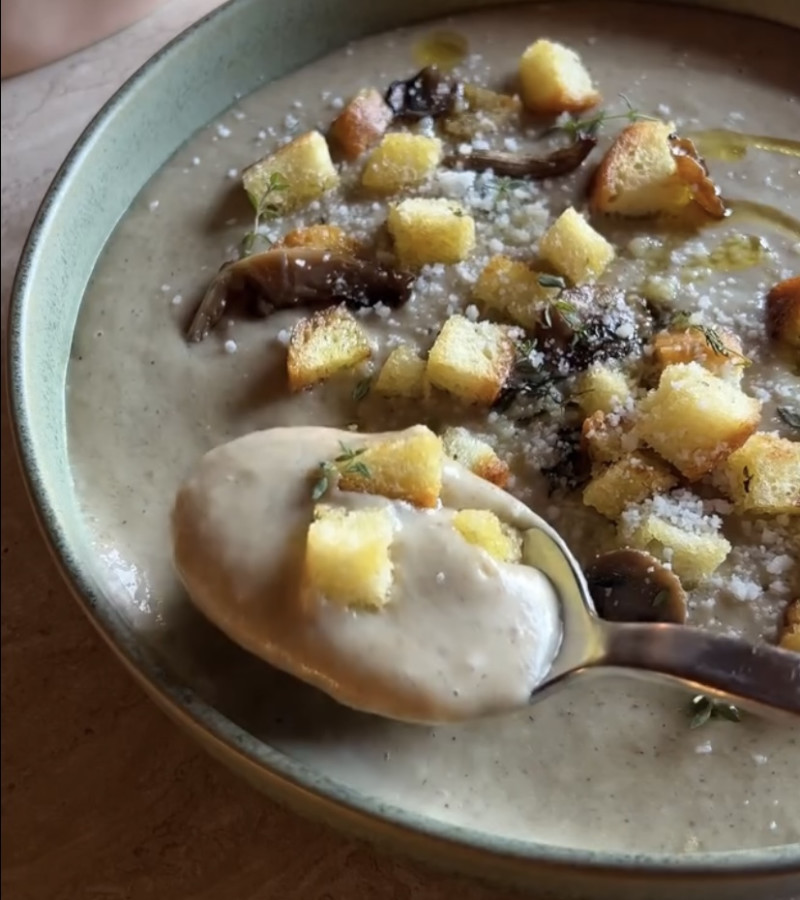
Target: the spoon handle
pixel 742 672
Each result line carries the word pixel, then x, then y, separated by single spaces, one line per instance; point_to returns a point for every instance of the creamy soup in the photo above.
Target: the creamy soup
pixel 608 762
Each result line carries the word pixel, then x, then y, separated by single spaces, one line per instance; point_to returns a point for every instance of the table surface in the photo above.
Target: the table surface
pixel 101 796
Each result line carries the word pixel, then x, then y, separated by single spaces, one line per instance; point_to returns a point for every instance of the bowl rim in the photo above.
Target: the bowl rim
pixel 285 779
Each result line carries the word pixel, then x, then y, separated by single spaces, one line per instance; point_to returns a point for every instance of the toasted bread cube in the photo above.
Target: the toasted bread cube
pixel 348 557
pixel 431 231
pixel 790 632
pixel 695 420
pixel 575 249
pixel 602 389
pixel 511 288
pixel 629 480
pixel 304 167
pixel 694 556
pixel 691 345
pixel 606 438
pixel 322 345
pixel 483 529
pixel 763 475
pixel 361 124
pixel 475 455
pixel 408 467
pixel 320 237
pixel 402 375
pixel 553 79
pixel 471 359
pixel 638 176
pixel 401 160
pixel 783 312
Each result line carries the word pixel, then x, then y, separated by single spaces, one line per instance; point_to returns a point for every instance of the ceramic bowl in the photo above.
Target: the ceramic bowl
pixel 231 52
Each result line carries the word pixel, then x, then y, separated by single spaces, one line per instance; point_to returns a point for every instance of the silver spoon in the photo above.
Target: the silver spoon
pixel 756 676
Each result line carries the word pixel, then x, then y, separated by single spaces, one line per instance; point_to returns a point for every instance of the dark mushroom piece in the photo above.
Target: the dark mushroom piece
pixel 428 93
pixel 633 586
pixel 515 165
pixel 299 276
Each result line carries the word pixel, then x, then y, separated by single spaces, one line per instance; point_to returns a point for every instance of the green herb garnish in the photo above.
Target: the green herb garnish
pixel 266 208
pixel 328 472
pixel 660 598
pixel 712 337
pixel 789 416
pixel 592 125
pixel 362 389
pixel 702 709
pixel 552 281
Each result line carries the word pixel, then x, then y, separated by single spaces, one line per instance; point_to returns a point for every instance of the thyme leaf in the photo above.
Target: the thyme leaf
pixel 361 389
pixel 552 281
pixel 328 472
pixel 791 417
pixel 703 709
pixel 660 598
pixel 712 338
pixel 593 124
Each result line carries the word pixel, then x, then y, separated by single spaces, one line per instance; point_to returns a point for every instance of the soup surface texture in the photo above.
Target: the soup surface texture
pixel 608 763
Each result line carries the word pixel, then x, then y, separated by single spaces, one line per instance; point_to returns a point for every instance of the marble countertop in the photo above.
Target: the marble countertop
pixel 101 796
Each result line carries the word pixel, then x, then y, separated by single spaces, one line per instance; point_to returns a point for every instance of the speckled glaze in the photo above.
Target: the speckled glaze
pixel 233 51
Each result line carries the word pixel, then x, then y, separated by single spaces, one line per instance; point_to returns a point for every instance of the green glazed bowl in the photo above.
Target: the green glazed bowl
pixel 231 52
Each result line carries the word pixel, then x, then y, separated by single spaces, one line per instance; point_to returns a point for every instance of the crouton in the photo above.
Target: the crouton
pixel 512 289
pixel 402 375
pixel 430 231
pixel 482 111
pixel 693 345
pixel 606 438
pixel 638 176
pixel 401 160
pixel 694 556
pixel 694 419
pixel 483 529
pixel 320 237
pixel 763 475
pixel 361 124
pixel 348 558
pixel 575 249
pixel 553 79
pixel 323 344
pixel 603 389
pixel 629 480
pixel 790 631
pixel 475 455
pixel 408 467
pixel 783 312
pixel 471 359
pixel 304 169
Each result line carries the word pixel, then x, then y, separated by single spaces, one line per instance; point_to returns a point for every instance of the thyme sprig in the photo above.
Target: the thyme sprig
pixel 703 709
pixel 266 208
pixel 346 462
pixel 593 124
pixel 711 336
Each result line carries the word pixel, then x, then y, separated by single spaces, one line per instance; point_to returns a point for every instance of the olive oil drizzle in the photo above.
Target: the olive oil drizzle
pixel 443 49
pixel 720 143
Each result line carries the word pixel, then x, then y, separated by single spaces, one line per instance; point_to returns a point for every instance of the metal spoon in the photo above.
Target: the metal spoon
pixel 756 676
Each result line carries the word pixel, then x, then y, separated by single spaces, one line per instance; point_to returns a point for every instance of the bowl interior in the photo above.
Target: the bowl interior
pixel 230 53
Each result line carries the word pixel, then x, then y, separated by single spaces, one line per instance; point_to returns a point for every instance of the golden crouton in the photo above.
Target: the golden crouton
pixel 694 419
pixel 430 231
pixel 320 237
pixel 408 467
pixel 482 111
pixel 401 160
pixel 361 123
pixel 484 529
pixel 402 375
pixel 553 79
pixel 607 438
pixel 347 556
pixel 694 556
pixel 628 480
pixel 638 176
pixel 601 388
pixel 323 344
pixel 692 345
pixel 471 359
pixel 475 455
pixel 790 632
pixel 511 288
pixel 763 475
pixel 783 312
pixel 575 249
pixel 304 170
